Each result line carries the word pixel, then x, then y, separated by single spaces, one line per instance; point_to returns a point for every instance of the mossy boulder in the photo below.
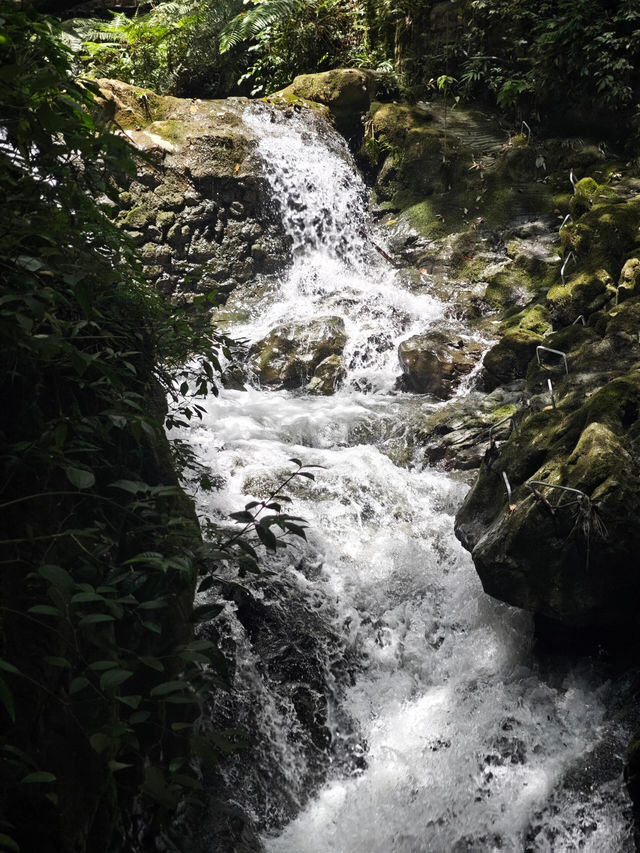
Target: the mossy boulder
pixel 509 358
pixel 413 157
pixel 585 193
pixel 629 281
pixel 461 433
pixel 567 556
pixel 327 376
pixel 510 286
pixel 533 318
pixel 436 364
pixel 347 92
pixel 582 294
pixel 289 355
pixel 605 236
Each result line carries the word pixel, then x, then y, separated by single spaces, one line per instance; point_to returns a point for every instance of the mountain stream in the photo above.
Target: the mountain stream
pixel 393 706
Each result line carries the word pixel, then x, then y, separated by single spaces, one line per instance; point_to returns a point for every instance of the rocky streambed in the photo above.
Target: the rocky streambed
pixel 476 325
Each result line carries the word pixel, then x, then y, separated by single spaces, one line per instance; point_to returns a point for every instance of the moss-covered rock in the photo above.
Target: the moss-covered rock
pixel 327 376
pixel 510 357
pixel 629 281
pixel 568 556
pixel 288 356
pixel 582 294
pixel 346 92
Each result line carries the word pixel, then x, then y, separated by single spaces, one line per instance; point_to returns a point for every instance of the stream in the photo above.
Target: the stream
pixel 393 706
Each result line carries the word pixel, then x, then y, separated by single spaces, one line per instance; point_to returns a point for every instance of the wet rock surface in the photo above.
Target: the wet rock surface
pixel 290 354
pixel 435 364
pixel 199 208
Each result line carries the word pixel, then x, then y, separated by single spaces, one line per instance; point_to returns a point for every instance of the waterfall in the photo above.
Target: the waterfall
pixel 430 726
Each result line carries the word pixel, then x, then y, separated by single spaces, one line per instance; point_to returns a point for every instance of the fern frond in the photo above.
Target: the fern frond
pixel 249 25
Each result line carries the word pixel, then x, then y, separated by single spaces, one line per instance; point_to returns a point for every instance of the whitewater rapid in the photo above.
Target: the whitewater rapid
pixel 449 735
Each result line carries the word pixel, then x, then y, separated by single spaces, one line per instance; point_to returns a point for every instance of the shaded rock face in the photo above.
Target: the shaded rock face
pixel 464 432
pixel 509 359
pixel 199 209
pixel 435 364
pixel 294 353
pixel 570 557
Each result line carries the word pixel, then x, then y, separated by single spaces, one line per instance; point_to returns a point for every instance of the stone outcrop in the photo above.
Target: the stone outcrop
pixel 346 92
pixel 436 364
pixel 199 207
pixel 569 556
pixel 290 355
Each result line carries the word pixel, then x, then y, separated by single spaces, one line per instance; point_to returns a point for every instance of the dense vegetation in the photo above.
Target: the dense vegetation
pixel 100 674
pixel 538 62
pixel 101 552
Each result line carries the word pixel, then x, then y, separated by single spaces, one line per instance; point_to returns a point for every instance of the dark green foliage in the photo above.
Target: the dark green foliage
pixel 171 49
pixel 100 549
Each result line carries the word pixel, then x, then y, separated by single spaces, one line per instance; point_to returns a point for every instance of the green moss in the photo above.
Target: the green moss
pixel 138 217
pixel 508 285
pixel 585 193
pixel 616 404
pixel 533 318
pixel 584 293
pixel 172 130
pixel 424 218
pixel 286 98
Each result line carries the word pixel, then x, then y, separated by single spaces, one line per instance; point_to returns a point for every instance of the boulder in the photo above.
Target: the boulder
pixel 584 293
pixel 289 355
pixel 199 205
pixel 567 556
pixel 436 364
pixel 628 284
pixel 508 360
pixel 347 92
pixel 327 376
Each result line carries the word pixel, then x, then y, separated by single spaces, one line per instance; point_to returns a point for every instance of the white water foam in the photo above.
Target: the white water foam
pixel 467 744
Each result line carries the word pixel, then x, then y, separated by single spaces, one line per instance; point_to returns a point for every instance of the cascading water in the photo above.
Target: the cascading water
pixel 433 727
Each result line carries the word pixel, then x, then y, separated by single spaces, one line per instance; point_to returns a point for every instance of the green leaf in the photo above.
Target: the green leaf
pixel 78 684
pixel 39 777
pixel 80 477
pixel 206 612
pixel 114 766
pixel 153 626
pixel 155 604
pixel 152 662
pixel 45 610
pixel 94 619
pixel 9 667
pixel 139 717
pixel 168 687
pixel 57 576
pixel 52 660
pixel 131 701
pixel 82 597
pixel 6 697
pixel 131 486
pixel 114 677
pixel 8 844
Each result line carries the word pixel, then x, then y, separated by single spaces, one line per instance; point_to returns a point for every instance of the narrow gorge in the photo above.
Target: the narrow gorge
pixel 391 704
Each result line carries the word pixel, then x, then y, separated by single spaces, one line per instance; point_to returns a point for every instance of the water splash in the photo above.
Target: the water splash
pixel 467 746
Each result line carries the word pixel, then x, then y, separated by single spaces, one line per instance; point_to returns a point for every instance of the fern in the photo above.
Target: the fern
pixel 251 24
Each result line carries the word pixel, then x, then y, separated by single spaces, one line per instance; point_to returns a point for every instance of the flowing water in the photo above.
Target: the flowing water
pixel 429 725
